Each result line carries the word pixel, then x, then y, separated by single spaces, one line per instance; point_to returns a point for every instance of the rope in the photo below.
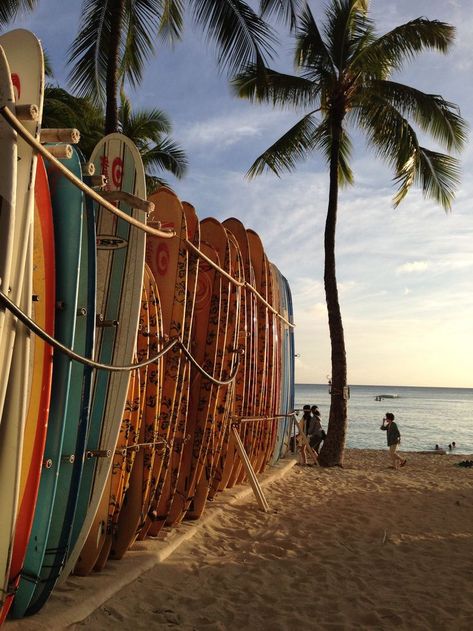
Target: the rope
pixel 25 134
pixel 41 333
pixel 238 283
pixel 236 420
pixel 217 382
pixel 37 330
pixel 165 234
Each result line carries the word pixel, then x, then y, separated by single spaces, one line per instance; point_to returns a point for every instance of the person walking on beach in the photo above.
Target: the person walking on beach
pixel 393 436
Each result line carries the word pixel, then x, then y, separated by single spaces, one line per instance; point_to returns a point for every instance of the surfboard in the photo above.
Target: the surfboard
pixel 41 361
pixel 8 160
pixel 126 450
pixel 8 175
pixel 25 61
pixel 137 493
pixel 235 392
pixel 120 265
pixel 290 369
pixel 214 233
pixel 25 64
pixel 282 401
pixel 80 324
pixel 243 407
pixel 180 437
pixel 168 261
pixel 40 561
pixel 257 257
pixel 204 348
pixel 273 371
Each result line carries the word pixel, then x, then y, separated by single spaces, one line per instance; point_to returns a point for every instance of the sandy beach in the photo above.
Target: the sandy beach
pixel 363 547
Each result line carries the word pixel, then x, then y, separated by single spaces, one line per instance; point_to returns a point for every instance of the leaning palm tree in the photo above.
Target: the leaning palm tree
pixel 149 129
pixel 117 37
pixel 10 9
pixel 345 78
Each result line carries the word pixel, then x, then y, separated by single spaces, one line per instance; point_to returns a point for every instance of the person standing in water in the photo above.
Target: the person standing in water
pixel 393 436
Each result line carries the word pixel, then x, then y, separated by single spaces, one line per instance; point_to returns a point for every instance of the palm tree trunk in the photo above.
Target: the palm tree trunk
pixel 331 453
pixel 111 109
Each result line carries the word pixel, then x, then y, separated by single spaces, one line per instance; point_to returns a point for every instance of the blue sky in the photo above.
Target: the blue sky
pixel 405 275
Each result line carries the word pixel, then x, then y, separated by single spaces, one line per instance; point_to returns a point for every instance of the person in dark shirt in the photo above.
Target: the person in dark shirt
pixel 393 436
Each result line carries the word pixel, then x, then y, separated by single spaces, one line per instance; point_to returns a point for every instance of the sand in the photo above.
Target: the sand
pixel 363 547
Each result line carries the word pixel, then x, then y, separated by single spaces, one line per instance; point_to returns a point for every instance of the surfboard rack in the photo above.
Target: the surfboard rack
pixel 102 323
pixel 250 472
pixel 61 152
pixel 71 136
pixel 132 200
pixel 98 453
pixel 27 112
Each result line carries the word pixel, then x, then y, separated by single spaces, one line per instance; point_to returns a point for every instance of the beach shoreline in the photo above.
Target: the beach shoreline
pixel 363 546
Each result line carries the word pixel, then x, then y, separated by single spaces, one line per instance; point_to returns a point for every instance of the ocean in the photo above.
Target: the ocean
pixel 425 416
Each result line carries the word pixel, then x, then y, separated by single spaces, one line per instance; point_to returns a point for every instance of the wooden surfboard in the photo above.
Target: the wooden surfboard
pixel 180 438
pixel 168 261
pixel 120 265
pixel 235 393
pixel 214 233
pixel 273 378
pixel 25 64
pixel 137 493
pixel 245 406
pixel 204 348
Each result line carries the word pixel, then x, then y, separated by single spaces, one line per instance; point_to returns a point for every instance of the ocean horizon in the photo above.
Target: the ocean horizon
pixel 426 416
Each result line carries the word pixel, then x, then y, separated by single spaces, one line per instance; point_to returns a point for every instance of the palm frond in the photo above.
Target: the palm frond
pixel 274 87
pixel 392 50
pixel 241 36
pixel 311 51
pixel 145 124
pixel 172 20
pixel 292 147
pixel 88 53
pixel 285 10
pixel 166 155
pixel 142 19
pixel 438 175
pixel 439 118
pixel 346 24
pixel 10 9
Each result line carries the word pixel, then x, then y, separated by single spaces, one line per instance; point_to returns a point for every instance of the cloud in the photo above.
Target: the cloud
pixel 413 268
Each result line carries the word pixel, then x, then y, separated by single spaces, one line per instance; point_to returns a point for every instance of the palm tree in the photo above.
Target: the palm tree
pixel 345 78
pixel 117 37
pixel 9 9
pixel 148 129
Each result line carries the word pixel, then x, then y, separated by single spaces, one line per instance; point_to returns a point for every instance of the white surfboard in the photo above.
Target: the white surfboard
pixel 26 65
pixel 119 282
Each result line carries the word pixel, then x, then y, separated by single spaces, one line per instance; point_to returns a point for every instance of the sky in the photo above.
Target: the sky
pixel 405 275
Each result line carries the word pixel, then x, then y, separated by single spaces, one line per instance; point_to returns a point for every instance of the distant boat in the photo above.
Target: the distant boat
pixel 380 397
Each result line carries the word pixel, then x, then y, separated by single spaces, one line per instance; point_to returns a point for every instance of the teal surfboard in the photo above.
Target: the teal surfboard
pixel 78 402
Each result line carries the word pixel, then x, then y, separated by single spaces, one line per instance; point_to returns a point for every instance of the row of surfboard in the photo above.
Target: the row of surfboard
pixel 93 454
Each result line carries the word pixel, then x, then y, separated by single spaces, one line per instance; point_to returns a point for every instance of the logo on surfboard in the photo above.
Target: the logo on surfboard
pixel 110 242
pixel 117 170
